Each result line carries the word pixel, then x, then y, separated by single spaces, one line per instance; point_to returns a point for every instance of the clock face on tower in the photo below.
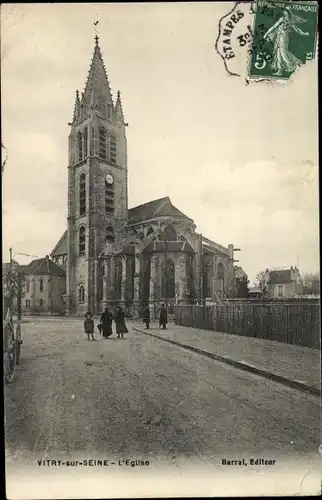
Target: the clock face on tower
pixel 109 178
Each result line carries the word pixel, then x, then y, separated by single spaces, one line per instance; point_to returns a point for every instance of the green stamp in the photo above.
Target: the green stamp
pixel 284 38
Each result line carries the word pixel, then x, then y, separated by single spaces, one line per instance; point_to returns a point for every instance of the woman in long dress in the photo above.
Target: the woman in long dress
pixel 120 322
pixel 282 59
pixel 106 322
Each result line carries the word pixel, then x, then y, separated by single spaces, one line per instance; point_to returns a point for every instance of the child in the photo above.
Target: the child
pixel 89 325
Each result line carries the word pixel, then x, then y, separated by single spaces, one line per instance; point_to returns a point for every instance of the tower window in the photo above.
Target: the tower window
pixel 113 149
pixel 109 111
pixel 81 294
pixel 82 194
pixel 41 285
pixel 80 146
pixel 81 240
pixel 109 199
pixel 102 143
pixel 85 142
pixel 109 234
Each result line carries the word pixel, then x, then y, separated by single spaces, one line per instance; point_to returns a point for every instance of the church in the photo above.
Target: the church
pixel 113 254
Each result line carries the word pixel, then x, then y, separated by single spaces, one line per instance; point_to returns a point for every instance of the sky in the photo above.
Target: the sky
pixel 240 160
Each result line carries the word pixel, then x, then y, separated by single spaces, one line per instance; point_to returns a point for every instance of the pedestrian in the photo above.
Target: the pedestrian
pixel 120 323
pixel 89 325
pixel 163 319
pixel 106 323
pixel 146 317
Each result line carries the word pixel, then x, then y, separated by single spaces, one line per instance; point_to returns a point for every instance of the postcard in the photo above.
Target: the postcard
pixel 161 276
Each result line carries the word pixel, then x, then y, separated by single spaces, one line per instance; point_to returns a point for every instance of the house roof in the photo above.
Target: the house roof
pixel 44 266
pixel 280 277
pixel 15 265
pixel 155 208
pixel 61 247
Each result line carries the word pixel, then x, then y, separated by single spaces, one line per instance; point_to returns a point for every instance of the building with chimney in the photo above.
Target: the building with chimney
pixel 44 287
pixel 113 254
pixel 283 283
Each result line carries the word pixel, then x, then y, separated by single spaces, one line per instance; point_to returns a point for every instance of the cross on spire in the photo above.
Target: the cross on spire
pixel 96 39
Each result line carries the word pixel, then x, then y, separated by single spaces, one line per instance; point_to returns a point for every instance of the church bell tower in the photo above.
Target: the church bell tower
pixel 97 184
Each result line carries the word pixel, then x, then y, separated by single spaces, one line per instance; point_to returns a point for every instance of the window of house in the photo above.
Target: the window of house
pixel 82 194
pixel 80 146
pixel 41 285
pixel 109 198
pixel 81 240
pixel 85 142
pixel 81 294
pixel 113 149
pixel 280 290
pixel 109 234
pixel 102 143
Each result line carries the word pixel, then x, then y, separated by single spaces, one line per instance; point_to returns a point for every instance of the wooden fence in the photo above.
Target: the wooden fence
pixel 297 324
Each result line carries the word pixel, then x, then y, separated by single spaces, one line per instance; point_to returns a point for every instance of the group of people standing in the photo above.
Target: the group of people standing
pixel 105 325
pixel 107 318
pixel 163 317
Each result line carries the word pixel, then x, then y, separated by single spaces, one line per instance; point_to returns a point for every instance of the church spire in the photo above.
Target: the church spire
pixel 118 107
pixel 97 87
pixel 76 107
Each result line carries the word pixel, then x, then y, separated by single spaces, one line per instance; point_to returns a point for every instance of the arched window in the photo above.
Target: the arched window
pixel 81 240
pixel 81 294
pixel 113 149
pixel 207 276
pixel 109 234
pixel 102 143
pixel 80 146
pixel 168 285
pixel 85 142
pixel 82 194
pixel 109 198
pixel 220 271
pixel 41 285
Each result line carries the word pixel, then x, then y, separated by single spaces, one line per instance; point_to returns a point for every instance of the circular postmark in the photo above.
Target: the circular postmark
pixel 268 40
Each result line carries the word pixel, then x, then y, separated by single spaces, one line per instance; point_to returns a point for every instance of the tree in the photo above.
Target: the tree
pixel 260 281
pixel 311 283
pixel 242 288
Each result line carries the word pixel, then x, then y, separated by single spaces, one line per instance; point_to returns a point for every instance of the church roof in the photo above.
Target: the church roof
pixel 44 266
pixel 61 247
pixel 161 207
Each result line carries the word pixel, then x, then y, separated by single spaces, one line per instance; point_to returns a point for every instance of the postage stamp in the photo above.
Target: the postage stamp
pixel 284 38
